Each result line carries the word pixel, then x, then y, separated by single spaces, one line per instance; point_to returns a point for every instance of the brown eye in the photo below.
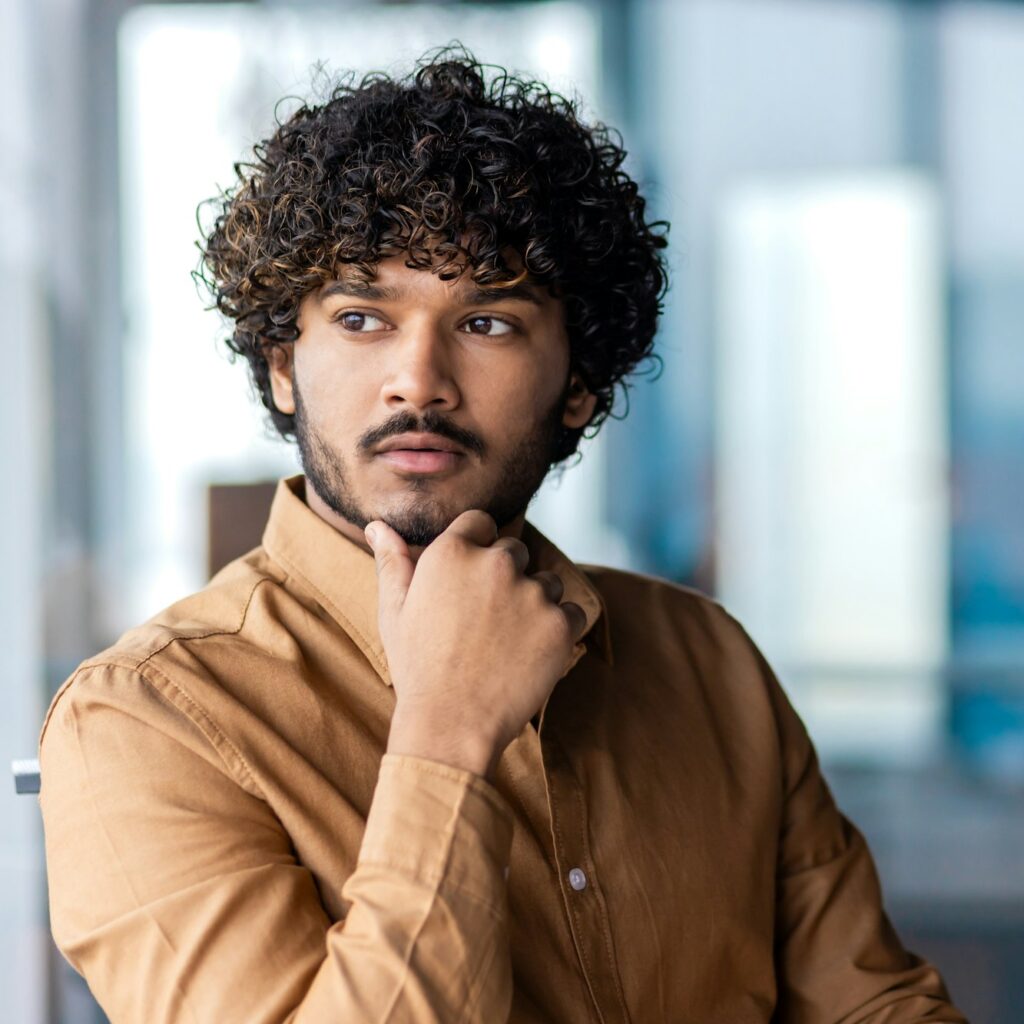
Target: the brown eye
pixel 360 322
pixel 489 326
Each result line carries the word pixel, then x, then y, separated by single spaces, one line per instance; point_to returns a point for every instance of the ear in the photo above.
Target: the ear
pixel 579 404
pixel 279 361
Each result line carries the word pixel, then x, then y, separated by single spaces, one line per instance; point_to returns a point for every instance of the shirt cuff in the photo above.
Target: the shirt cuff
pixel 438 824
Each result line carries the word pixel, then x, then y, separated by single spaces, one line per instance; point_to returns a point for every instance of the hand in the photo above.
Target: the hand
pixel 474 646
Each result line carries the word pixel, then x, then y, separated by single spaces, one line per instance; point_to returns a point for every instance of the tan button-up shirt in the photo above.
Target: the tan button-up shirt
pixel 228 844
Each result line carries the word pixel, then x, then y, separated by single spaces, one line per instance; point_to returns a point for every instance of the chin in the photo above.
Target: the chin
pixel 419 523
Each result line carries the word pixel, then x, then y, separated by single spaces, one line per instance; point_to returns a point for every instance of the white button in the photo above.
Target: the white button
pixel 578 879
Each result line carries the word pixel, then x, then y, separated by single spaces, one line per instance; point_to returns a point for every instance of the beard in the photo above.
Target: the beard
pixel 421 516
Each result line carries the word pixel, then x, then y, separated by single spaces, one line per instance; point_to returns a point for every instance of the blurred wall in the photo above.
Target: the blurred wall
pixel 23 426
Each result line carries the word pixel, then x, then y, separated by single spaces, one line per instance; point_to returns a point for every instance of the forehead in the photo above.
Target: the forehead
pixel 393 281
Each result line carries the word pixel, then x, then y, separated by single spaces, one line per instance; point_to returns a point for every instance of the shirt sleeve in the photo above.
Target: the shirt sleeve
pixel 176 892
pixel 839 960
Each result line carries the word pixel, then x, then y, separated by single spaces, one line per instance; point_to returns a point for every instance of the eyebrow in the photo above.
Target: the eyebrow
pixel 515 291
pixel 359 290
pixel 382 293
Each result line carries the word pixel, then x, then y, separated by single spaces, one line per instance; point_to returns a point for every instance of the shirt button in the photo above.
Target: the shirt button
pixel 578 879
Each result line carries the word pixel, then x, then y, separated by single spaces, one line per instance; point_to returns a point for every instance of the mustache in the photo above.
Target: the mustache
pixel 430 422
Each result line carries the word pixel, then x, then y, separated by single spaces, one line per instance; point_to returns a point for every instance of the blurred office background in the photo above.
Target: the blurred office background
pixel 835 446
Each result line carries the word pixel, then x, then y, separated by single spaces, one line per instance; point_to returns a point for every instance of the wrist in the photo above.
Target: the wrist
pixel 458 746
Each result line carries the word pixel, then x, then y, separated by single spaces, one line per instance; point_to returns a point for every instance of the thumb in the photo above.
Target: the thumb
pixel 394 566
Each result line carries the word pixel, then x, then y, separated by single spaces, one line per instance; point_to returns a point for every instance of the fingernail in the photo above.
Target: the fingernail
pixel 371 532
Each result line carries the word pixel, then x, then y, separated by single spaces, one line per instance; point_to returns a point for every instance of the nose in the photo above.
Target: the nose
pixel 420 372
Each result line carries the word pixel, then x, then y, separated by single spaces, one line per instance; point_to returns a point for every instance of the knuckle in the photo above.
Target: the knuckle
pixel 548 586
pixel 536 596
pixel 553 585
pixel 561 625
pixel 504 560
pixel 574 619
pixel 514 550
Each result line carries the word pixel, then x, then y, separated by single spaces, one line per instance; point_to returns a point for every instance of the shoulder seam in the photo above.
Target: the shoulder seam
pixel 207 726
pixel 180 637
pixel 194 711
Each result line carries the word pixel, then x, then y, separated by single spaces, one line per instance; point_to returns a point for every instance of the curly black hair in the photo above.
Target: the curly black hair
pixel 455 169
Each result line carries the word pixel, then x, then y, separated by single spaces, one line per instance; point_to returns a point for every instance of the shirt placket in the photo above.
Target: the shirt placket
pixel 580 883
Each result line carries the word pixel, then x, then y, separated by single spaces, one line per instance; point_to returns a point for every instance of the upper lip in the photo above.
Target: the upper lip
pixel 418 442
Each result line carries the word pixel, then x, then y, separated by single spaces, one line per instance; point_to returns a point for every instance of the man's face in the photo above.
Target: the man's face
pixel 416 398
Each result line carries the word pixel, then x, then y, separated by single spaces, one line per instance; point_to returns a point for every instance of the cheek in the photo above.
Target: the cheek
pixel 548 393
pixel 551 379
pixel 332 391
pixel 529 386
pixel 515 405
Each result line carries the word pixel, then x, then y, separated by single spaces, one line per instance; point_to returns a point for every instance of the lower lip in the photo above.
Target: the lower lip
pixel 414 460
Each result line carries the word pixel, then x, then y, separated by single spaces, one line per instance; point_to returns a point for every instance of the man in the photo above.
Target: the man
pixel 405 761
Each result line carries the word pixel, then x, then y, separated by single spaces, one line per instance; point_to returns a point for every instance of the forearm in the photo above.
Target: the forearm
pixel 426 937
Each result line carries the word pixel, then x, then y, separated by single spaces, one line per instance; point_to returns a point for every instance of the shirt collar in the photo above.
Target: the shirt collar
pixel 344 578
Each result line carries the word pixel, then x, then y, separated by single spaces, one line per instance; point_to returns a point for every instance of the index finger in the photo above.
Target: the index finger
pixel 474 525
